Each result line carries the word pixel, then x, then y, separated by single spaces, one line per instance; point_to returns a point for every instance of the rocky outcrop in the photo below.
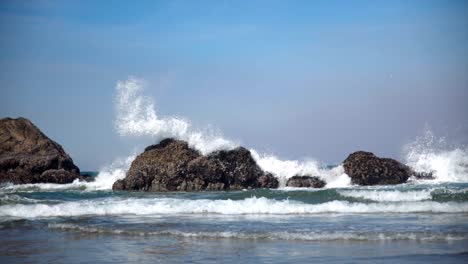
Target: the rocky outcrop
pixel 364 168
pixel 172 165
pixel 305 181
pixel 29 156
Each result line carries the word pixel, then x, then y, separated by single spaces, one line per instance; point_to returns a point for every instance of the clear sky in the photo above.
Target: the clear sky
pixel 296 78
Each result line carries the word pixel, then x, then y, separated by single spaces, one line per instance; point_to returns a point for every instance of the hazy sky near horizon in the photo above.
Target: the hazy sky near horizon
pixel 299 79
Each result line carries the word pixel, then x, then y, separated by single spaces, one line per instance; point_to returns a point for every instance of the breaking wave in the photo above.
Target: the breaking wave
pixel 388 195
pixel 136 116
pixel 429 153
pixel 103 181
pixel 248 206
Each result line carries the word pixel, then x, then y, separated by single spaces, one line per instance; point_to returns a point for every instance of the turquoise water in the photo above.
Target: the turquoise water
pixel 410 223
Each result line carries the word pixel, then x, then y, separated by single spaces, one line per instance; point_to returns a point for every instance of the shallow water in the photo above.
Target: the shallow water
pixel 408 223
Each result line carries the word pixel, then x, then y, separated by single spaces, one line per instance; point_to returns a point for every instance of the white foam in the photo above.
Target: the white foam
pixel 136 115
pixel 103 181
pixel 285 169
pixel 255 206
pixel 304 236
pixel 111 173
pixel 431 154
pixel 388 196
pixel 33 187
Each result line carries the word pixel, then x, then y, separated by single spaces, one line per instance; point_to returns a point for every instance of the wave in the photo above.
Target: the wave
pixel 136 116
pixel 110 174
pixel 34 187
pixel 303 236
pixel 429 153
pixel 388 196
pixel 285 169
pixel 103 181
pixel 15 199
pixel 249 206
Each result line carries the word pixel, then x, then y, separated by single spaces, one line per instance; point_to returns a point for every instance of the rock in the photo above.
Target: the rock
pixel 364 168
pixel 29 156
pixel 305 181
pixel 268 181
pixel 57 176
pixel 239 169
pixel 172 165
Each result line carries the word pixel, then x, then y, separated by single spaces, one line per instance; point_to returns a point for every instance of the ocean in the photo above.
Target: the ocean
pixel 415 222
pixel 421 221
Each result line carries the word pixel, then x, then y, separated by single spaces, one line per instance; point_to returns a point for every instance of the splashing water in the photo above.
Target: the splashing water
pixel 429 153
pixel 103 181
pixel 136 115
pixel 285 169
pixel 111 173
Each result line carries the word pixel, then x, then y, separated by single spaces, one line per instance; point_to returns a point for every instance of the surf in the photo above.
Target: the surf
pixel 136 116
pixel 248 206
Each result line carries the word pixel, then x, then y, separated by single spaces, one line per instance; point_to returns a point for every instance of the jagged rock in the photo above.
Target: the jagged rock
pixel 29 156
pixel 364 168
pixel 305 181
pixel 238 168
pixel 172 165
pixel 268 181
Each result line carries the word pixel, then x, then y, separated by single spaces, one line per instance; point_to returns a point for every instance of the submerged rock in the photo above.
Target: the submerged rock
pixel 364 168
pixel 29 156
pixel 305 181
pixel 172 165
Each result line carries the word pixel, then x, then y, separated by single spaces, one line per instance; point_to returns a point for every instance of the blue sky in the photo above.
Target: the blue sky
pixel 296 78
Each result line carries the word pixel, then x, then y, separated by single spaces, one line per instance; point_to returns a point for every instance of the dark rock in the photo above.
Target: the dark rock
pixel 29 156
pixel 172 165
pixel 364 168
pixel 57 176
pixel 239 169
pixel 305 181
pixel 268 181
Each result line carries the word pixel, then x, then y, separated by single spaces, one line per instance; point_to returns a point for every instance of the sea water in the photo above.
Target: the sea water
pixel 422 221
pixel 413 222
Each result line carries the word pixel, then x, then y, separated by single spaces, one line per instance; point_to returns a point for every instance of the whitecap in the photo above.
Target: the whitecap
pixel 248 206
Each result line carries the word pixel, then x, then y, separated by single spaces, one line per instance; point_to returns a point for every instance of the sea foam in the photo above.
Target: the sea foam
pixel 103 181
pixel 136 116
pixel 248 206
pixel 429 153
pixel 388 195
